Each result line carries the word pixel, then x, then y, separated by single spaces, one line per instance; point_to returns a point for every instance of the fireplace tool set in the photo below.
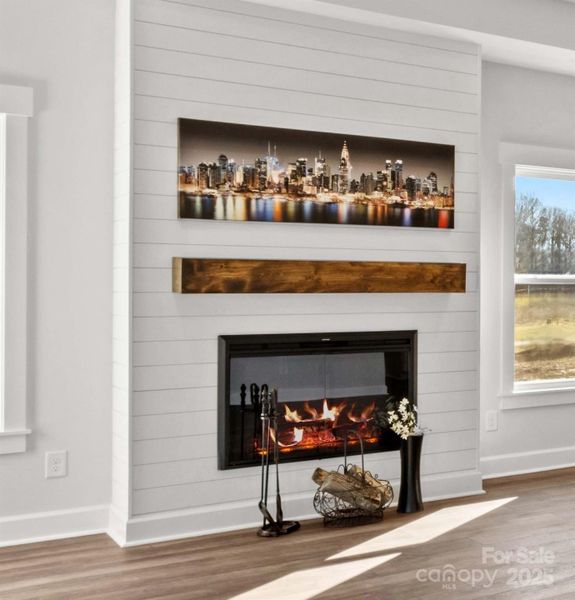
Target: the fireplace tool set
pixel 351 495
pixel 271 527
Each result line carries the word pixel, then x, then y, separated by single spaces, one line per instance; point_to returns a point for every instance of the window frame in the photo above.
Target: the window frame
pixel 535 161
pixel 16 109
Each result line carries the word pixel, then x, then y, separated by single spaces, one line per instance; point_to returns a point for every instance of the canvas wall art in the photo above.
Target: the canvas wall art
pixel 250 173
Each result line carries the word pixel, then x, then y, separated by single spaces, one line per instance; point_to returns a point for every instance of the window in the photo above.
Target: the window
pixel 15 111
pixel 544 294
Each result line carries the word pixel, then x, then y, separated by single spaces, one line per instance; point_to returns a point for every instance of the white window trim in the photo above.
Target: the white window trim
pixel 539 161
pixel 16 108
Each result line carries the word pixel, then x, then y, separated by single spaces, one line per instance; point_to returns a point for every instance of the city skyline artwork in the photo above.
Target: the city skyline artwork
pixel 251 173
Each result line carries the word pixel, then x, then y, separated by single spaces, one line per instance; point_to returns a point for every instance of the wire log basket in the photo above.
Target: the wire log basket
pixel 351 495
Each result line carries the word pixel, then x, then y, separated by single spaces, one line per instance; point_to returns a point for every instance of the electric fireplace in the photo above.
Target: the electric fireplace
pixel 327 384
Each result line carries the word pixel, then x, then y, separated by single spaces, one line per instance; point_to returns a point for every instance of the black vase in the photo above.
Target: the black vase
pixel 410 490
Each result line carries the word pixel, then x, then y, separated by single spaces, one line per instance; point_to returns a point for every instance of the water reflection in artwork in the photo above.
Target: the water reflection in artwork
pixel 238 207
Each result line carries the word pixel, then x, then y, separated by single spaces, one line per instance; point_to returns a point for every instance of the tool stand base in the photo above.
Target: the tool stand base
pixel 276 530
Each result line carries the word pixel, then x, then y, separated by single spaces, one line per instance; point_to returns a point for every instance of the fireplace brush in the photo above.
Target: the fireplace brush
pixel 271 527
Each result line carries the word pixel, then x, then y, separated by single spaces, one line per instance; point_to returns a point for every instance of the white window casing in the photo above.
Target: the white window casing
pixel 16 108
pixel 540 162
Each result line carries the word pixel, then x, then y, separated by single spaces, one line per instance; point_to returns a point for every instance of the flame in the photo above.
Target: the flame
pixel 332 413
pixel 292 415
pixel 365 415
pixel 312 411
pixel 297 437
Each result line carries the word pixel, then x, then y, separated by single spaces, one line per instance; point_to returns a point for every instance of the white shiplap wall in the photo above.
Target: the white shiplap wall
pixel 239 62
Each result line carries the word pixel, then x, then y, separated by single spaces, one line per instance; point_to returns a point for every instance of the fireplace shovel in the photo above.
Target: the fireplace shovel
pixel 271 527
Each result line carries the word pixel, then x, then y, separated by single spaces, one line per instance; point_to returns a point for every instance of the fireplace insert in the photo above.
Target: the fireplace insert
pixel 328 383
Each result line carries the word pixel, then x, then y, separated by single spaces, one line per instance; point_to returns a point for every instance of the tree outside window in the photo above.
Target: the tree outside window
pixel 544 276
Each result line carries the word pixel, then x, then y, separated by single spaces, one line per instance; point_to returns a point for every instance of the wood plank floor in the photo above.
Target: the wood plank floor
pixel 225 565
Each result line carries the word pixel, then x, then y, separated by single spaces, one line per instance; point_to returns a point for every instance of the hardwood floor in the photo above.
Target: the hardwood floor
pixel 540 519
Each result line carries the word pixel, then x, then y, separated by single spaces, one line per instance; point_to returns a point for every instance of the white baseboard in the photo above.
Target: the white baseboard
pixel 517 463
pixel 180 524
pixel 117 526
pixel 41 527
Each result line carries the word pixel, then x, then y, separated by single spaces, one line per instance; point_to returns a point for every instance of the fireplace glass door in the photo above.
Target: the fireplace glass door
pixel 324 390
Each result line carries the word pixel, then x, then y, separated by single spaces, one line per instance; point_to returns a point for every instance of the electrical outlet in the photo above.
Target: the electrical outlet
pixel 56 464
pixel 491 420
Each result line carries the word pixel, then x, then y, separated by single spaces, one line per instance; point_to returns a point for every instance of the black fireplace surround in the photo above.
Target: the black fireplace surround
pixel 327 384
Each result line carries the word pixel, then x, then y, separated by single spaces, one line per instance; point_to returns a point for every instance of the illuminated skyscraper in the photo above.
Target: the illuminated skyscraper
pixel 320 165
pixel 262 173
pixel 273 166
pixel 426 187
pixel 231 169
pixel 398 172
pixel 334 183
pixel 215 175
pixel 203 176
pixel 432 177
pixel 344 170
pixel 388 175
pixel 301 167
pixel 411 187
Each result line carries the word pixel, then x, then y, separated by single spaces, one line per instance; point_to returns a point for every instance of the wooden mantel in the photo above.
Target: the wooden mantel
pixel 239 276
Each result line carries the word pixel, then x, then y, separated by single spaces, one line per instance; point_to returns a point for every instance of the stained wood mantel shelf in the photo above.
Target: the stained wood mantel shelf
pixel 238 276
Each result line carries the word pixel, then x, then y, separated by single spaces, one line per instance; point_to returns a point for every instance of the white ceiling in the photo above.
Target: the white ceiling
pixel 533 34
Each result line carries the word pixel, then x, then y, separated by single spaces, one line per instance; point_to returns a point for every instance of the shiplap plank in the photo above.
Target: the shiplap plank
pixel 289 235
pixel 181 400
pixel 442 402
pixel 164 377
pixel 381 52
pixel 183 328
pixel 447 341
pixel 272 16
pixel 174 352
pixel 449 382
pixel 166 304
pixel 229 110
pixel 173 425
pixel 195 63
pixel 246 486
pixel 261 97
pixel 173 448
pixel 153 255
pixel 192 470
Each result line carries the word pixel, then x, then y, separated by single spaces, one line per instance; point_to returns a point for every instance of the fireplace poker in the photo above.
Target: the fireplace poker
pixel 274 411
pixel 271 527
pixel 255 401
pixel 243 417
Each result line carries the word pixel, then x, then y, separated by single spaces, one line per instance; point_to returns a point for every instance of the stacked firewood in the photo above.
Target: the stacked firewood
pixel 355 487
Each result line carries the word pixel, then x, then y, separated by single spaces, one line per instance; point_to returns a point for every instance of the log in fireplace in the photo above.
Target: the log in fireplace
pixel 327 384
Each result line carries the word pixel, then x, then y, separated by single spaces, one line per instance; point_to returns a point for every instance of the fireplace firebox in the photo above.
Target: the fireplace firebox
pixel 328 383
